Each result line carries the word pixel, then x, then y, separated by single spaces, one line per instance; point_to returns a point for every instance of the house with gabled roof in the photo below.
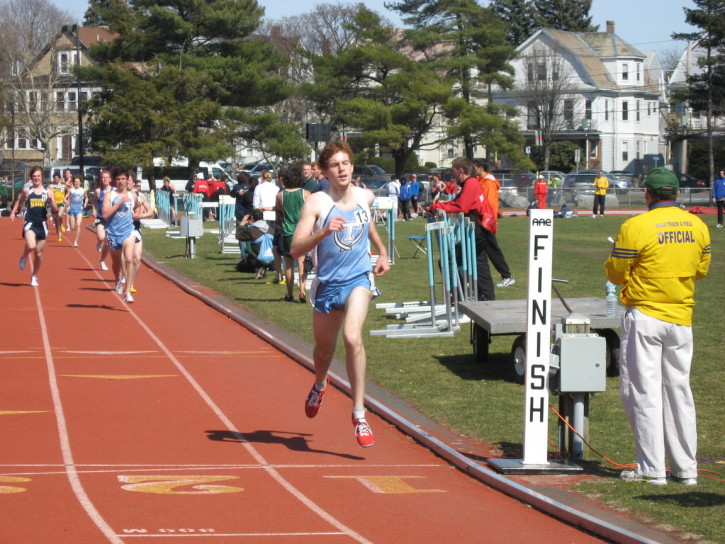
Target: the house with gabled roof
pixel 609 101
pixel 685 122
pixel 43 98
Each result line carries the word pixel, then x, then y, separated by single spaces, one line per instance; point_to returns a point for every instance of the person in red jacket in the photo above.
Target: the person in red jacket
pixel 470 202
pixel 540 190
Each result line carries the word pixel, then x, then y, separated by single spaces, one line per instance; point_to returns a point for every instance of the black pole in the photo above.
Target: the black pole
pixel 80 109
pixel 12 147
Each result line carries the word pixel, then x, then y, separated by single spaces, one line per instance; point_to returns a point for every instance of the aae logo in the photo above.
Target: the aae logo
pixel 541 222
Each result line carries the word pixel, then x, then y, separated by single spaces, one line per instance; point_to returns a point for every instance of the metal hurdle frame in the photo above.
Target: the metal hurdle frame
pixel 457 283
pixel 390 205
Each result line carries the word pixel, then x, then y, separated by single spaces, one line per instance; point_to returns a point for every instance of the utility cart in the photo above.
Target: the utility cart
pixel 508 317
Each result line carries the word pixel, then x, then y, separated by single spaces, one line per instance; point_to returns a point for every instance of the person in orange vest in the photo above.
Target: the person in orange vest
pixel 490 187
pixel 540 190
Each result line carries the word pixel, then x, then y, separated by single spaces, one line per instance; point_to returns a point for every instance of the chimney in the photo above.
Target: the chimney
pixel 610 27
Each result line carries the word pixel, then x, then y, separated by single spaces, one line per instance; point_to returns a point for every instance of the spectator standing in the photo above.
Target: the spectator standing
pixel 405 193
pixel 718 196
pixel 490 187
pixel 657 257
pixel 541 188
pixel 265 199
pixel 322 182
pixel 311 185
pixel 238 191
pixel 414 192
pixel 337 227
pixel 289 203
pixel 601 184
pixel 470 202
pixel 171 193
pixel 35 227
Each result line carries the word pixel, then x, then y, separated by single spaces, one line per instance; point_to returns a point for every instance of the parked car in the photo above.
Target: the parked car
pixel 369 173
pixel 378 187
pixel 511 177
pixel 583 180
pixel 548 174
pixel 686 180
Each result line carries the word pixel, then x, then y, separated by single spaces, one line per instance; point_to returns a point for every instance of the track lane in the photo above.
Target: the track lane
pixel 195 400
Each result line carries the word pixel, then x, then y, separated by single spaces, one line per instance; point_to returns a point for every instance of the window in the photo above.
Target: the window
pixel 532 116
pixel 625 111
pixel 59 101
pixel 593 150
pixel 541 71
pixel 638 149
pixel 649 109
pixel 588 109
pixel 65 60
pixel 625 72
pixel 569 112
pixel 72 103
pixel 33 99
pixel 637 110
pixel 625 151
pixel 639 68
pixel 530 72
pixel 606 110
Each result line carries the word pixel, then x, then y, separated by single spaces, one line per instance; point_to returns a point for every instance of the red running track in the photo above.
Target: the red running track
pixel 165 420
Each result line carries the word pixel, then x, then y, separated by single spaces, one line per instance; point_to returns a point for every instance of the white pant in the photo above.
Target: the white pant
pixel 655 388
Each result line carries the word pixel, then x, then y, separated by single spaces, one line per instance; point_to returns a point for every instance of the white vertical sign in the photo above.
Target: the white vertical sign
pixel 538 339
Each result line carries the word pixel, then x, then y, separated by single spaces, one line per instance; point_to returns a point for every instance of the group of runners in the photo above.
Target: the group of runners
pixel 118 208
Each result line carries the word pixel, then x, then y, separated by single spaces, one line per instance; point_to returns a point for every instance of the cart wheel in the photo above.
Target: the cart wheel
pixel 612 356
pixel 480 340
pixel 518 353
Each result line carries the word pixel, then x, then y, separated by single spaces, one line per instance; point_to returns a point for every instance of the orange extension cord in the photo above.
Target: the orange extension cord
pixel 620 465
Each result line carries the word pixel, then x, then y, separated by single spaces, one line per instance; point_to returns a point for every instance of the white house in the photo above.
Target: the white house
pixel 610 96
pixel 687 122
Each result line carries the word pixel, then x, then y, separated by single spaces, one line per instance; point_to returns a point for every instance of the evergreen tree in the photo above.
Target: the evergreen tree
pixel 378 92
pixel 706 90
pixel 520 16
pixel 468 43
pixel 176 69
pixel 571 15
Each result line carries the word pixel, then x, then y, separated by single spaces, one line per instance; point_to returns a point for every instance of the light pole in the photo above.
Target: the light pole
pixel 12 149
pixel 76 28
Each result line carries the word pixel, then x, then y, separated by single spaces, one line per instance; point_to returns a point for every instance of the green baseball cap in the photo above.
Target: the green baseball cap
pixel 663 182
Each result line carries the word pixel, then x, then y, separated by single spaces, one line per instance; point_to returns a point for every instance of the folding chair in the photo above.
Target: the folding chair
pixel 419 243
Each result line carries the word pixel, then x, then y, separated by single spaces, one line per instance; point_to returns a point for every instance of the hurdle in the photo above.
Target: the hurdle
pixel 389 205
pixel 428 318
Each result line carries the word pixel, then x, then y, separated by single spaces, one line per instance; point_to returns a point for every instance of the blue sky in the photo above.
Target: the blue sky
pixel 646 24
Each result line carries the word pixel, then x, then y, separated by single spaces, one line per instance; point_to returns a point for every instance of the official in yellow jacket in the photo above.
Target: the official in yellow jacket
pixel 657 257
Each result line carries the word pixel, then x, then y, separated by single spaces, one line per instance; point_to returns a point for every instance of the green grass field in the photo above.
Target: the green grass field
pixel 440 377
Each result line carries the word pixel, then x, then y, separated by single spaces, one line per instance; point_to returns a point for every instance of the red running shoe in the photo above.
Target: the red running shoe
pixel 313 402
pixel 363 433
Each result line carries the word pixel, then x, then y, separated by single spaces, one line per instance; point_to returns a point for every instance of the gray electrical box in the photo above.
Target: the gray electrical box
pixel 582 363
pixel 193 228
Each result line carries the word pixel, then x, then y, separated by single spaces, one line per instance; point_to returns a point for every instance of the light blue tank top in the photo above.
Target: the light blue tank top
pixel 120 224
pixel 345 254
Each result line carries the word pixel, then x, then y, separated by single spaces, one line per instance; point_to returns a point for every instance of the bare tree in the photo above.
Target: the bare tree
pixel 29 28
pixel 550 94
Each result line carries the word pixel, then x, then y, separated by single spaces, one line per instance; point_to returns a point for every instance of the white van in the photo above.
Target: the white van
pixel 180 173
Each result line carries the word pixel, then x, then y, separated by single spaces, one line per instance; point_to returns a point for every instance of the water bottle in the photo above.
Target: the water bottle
pixel 611 299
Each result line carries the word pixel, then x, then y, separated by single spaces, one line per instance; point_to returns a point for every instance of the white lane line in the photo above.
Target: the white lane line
pixel 231 427
pixel 114 469
pixel 78 352
pixel 205 535
pixel 65 447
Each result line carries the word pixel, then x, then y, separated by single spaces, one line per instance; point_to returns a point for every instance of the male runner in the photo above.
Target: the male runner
pixel 336 227
pixel 35 228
